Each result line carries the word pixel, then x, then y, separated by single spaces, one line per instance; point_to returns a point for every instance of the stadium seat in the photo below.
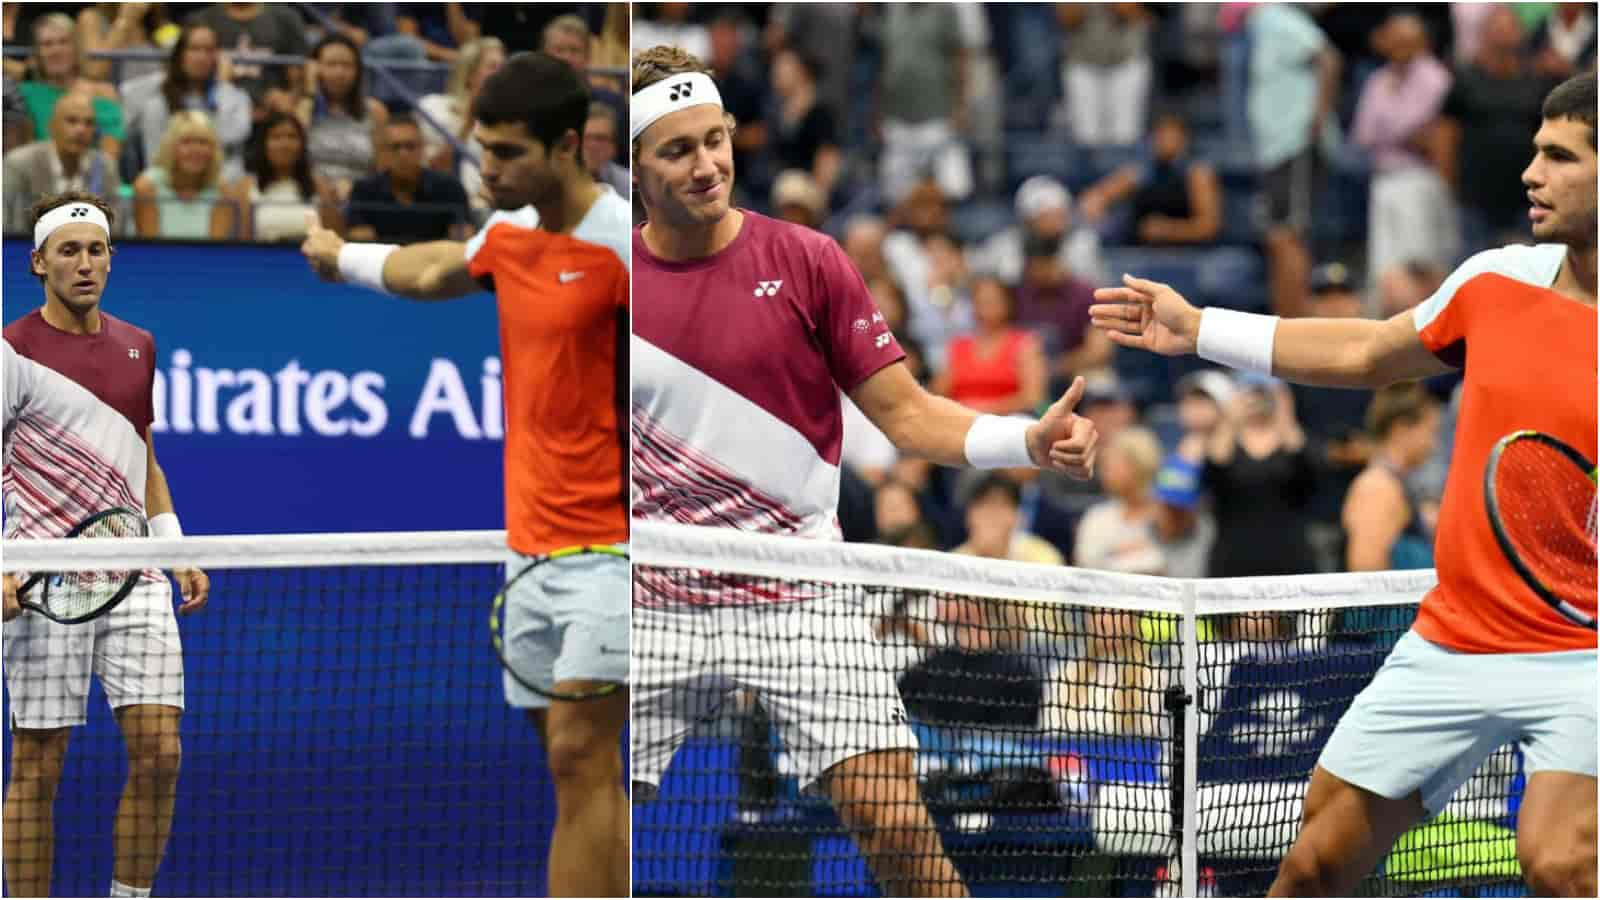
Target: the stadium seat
pixel 1030 153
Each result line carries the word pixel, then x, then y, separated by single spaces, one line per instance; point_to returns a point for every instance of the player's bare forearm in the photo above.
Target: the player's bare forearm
pixel 1355 353
pixel 919 424
pixel 157 493
pixel 436 270
pixel 1352 353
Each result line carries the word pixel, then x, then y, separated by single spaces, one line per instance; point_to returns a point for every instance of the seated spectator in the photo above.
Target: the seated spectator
pixel 1202 397
pixel 669 23
pixel 742 82
pixel 600 148
pixel 801 131
pixel 1183 530
pixel 1382 518
pixel 1044 213
pixel 120 26
pixel 1109 403
pixel 1176 198
pixel 1260 475
pixel 180 195
pixel 342 122
pixel 863 243
pixel 54 69
pixel 993 527
pixel 66 161
pixel 896 510
pixel 997 368
pixel 453 111
pixel 567 38
pixel 978 678
pixel 442 28
pixel 375 30
pixel 406 203
pixel 1107 69
pixel 1111 687
pixel 1054 304
pixel 796 198
pixel 1116 534
pixel 245 29
pixel 279 189
pixel 1411 214
pixel 193 79
pixel 1386 518
pixel 1333 417
pixel 927 265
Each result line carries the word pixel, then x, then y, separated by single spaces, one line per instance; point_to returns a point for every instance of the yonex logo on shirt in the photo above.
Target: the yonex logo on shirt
pixel 767 288
pixel 682 89
pixel 133 352
pixel 881 340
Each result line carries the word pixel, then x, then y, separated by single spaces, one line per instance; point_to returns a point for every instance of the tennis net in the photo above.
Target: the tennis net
pixel 1078 733
pixel 343 734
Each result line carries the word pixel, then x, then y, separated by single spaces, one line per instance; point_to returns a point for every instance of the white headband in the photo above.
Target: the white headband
pixel 669 96
pixel 68 215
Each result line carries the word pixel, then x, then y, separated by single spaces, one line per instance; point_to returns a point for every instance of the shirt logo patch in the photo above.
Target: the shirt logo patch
pixel 133 352
pixel 767 288
pixel 569 277
pixel 861 325
pixel 881 340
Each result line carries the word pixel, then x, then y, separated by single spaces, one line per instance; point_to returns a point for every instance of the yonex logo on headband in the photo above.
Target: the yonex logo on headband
pixel 68 214
pixel 674 94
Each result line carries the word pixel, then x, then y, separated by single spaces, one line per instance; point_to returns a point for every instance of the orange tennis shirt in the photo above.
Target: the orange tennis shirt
pixel 1529 358
pixel 563 303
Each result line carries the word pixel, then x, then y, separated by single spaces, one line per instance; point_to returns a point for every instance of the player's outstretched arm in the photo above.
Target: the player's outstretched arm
pixel 1354 353
pixel 941 430
pixel 436 270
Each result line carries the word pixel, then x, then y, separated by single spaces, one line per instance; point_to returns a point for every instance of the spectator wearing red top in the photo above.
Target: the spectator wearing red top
pixel 997 367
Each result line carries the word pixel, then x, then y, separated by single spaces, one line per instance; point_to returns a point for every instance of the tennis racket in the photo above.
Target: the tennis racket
pixel 539 621
pixel 75 597
pixel 1541 499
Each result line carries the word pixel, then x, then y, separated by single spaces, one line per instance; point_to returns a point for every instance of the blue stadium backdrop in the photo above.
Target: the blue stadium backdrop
pixel 285 404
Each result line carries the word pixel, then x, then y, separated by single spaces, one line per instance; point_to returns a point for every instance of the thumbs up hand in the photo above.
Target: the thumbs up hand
pixel 321 248
pixel 1063 441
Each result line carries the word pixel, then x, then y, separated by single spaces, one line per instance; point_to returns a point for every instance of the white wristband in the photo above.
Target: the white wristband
pixel 998 442
pixel 1238 340
pixel 166 526
pixel 363 264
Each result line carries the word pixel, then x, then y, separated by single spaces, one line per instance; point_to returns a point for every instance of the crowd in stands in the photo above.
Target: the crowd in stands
pixel 233 121
pixel 987 165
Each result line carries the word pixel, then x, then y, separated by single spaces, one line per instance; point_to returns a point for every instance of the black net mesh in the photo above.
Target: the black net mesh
pixel 1048 743
pixel 344 734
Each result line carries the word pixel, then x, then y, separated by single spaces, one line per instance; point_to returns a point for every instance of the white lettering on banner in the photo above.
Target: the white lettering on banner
pixel 444 392
pixel 493 413
pixel 330 403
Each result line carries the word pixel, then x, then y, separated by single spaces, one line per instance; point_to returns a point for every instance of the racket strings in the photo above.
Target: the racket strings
pixel 79 593
pixel 1548 509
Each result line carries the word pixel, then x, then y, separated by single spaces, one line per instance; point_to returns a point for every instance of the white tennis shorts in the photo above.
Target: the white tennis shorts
pixel 814 664
pixel 134 649
pixel 567 620
pixel 1432 715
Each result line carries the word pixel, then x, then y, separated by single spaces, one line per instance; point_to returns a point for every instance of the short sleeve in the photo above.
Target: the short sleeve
pixel 854 336
pixel 480 248
pixel 1444 319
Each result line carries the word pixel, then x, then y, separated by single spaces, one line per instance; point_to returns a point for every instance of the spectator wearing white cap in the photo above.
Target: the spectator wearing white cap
pixel 1044 210
pixel 1203 397
pixel 797 198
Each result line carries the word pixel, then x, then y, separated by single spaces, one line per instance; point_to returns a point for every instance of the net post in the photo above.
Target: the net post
pixel 1189 744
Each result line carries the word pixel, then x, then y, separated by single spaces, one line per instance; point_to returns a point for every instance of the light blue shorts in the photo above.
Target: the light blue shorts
pixel 566 620
pixel 1431 716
